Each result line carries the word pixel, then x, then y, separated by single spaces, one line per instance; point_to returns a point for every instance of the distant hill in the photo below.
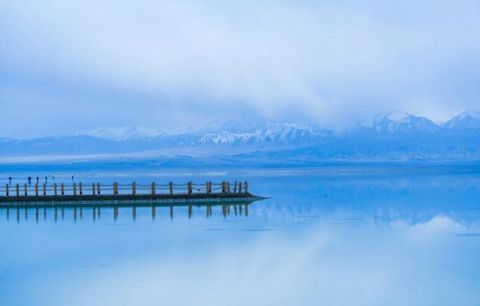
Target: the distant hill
pixel 399 122
pixel 464 121
pixel 390 136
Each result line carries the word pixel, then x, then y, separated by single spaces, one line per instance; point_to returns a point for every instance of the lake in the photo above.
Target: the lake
pixel 326 236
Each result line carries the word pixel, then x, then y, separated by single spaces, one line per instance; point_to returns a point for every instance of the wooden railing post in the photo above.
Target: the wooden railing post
pixel 226 189
pixel 189 188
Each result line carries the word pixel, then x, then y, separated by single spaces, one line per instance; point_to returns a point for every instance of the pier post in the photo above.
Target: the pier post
pixel 235 187
pixel 44 189
pixel 223 187
pixel 170 187
pixel 240 187
pixel 207 190
pixel 36 189
pixel 93 189
pixel 18 190
pixel 74 189
pixel 153 188
pixel 115 188
pixel 25 189
pixel 228 187
pixel 80 188
pixel 98 188
pixel 190 189
pixel 7 192
pixel 55 189
pixel 134 189
pixel 246 187
pixel 62 189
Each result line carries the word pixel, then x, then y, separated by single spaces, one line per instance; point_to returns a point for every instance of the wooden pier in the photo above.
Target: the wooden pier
pixel 98 194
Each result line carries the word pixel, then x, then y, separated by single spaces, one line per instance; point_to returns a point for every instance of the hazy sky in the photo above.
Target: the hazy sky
pixel 74 65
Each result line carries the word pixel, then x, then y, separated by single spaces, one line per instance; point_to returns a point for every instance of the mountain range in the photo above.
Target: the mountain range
pixel 389 136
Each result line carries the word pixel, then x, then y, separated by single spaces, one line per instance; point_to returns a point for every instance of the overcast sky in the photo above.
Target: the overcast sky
pixel 67 66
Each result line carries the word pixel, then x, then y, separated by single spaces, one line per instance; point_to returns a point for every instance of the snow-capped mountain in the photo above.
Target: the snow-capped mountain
pixel 393 136
pixel 124 133
pixel 222 132
pixel 400 122
pixel 280 133
pixel 229 125
pixel 464 120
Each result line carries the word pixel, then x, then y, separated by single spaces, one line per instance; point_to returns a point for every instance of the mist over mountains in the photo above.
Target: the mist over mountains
pixel 390 136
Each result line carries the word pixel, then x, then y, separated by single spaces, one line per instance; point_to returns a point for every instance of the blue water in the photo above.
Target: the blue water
pixel 323 238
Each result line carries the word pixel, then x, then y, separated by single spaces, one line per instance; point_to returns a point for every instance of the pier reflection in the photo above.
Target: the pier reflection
pixel 44 213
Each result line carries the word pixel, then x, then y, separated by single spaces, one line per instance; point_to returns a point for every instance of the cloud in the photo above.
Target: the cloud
pixel 190 61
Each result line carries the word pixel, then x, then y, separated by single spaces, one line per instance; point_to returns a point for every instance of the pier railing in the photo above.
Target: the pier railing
pixel 95 189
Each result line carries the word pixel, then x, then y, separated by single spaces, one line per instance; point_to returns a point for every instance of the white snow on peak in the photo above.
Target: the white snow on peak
pixel 464 120
pixel 229 125
pixel 283 132
pixel 468 113
pixel 399 116
pixel 124 133
pixel 399 121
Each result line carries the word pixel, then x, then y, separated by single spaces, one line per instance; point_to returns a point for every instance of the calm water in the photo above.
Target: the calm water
pixel 402 238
